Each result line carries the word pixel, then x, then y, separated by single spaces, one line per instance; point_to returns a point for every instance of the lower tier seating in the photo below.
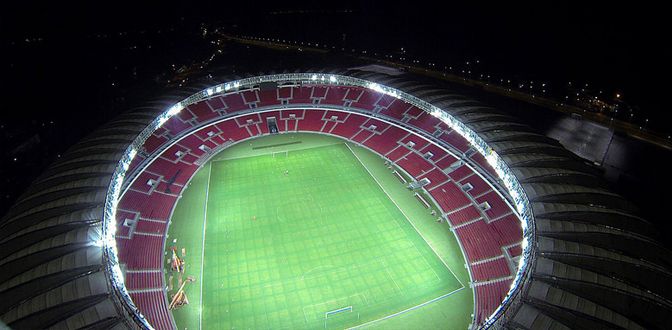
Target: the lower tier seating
pixel 488 236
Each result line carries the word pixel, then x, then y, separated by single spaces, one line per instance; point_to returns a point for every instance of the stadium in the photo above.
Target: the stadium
pixel 326 199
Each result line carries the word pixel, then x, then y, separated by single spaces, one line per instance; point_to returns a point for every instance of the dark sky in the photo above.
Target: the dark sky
pixel 615 46
pixel 55 67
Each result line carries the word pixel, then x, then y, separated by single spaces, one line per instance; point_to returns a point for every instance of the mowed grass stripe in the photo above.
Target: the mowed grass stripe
pixel 284 249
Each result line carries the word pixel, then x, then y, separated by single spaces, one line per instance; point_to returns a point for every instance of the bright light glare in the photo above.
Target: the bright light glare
pixel 175 109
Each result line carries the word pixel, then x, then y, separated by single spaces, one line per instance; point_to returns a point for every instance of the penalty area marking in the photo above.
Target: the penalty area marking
pixel 224 158
pixel 407 310
pixel 402 212
pixel 387 270
pixel 342 301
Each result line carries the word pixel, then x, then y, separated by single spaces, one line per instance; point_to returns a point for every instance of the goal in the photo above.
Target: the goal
pixel 337 311
pixel 279 154
pixel 339 317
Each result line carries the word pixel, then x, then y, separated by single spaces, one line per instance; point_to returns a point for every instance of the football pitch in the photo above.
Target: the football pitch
pixel 307 231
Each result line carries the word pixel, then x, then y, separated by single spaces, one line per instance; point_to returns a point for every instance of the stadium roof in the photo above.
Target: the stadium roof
pixel 593 262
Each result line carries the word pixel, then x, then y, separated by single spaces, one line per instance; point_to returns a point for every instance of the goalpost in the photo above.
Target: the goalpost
pixel 278 154
pixel 336 312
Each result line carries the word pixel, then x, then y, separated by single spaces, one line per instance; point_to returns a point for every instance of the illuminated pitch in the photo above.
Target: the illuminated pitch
pixel 324 236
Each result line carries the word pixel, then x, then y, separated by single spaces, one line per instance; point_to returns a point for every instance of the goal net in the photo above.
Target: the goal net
pixel 279 154
pixel 337 311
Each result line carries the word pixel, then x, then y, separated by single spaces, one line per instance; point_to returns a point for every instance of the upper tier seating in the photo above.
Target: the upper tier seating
pixel 488 237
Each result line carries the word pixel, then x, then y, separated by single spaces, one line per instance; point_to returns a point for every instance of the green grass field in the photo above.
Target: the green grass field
pixel 306 231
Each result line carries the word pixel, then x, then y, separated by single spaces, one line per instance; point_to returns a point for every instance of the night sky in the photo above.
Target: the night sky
pixel 615 48
pixel 106 55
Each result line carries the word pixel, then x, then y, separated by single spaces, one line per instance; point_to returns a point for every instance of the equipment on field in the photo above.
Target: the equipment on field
pixel 180 297
pixel 176 263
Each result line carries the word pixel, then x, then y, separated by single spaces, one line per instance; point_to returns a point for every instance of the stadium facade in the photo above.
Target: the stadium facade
pixel 584 260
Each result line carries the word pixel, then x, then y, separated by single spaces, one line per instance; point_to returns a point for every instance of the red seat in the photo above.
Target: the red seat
pixel 175 125
pixel 464 215
pixel 217 103
pixel 497 206
pixel 141 252
pixel 385 142
pixel 367 100
pixel 489 297
pixel 479 185
pixel 515 251
pixel 312 121
pixel 153 142
pixel 480 160
pixel 414 164
pixel 425 122
pixel 435 176
pixel 493 269
pixel 396 109
pixel 301 95
pixel 250 97
pixel 508 229
pixel 154 307
pixel 202 111
pixel 444 162
pixel 234 103
pixel 268 98
pixel 335 95
pixel 456 140
pixel 449 197
pixel 350 127
pixel 144 280
pixel 460 173
pixel 231 130
pixel 397 153
pixel 479 240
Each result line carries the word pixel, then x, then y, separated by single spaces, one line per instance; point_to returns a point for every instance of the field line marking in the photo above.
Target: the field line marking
pixel 337 269
pixel 366 298
pixel 205 219
pixel 408 309
pixel 303 309
pixel 392 277
pixel 427 263
pixel 272 152
pixel 402 212
pixel 303 276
